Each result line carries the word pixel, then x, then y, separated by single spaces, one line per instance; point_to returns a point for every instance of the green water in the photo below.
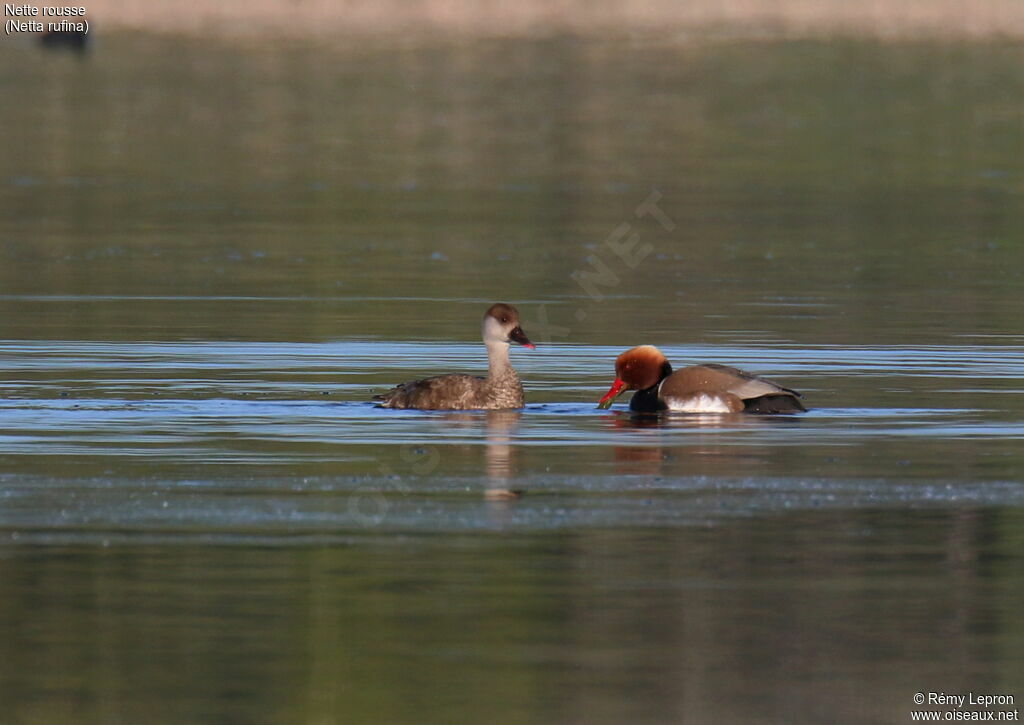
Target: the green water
pixel 883 181
pixel 212 255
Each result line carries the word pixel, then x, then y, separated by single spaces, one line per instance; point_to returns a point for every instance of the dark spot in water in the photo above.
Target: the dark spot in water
pixel 72 40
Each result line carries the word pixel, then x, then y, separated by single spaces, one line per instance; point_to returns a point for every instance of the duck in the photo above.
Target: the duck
pixel 500 390
pixel 706 388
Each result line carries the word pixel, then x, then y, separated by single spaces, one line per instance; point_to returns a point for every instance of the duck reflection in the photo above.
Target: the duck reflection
pixel 654 445
pixel 499 453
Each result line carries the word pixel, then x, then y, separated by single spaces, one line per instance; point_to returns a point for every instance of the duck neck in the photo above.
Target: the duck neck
pixel 666 370
pixel 499 365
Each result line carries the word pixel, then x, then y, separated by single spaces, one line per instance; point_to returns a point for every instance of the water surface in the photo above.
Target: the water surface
pixel 211 256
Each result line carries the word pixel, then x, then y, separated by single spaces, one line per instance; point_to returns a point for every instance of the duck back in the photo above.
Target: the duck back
pixel 455 392
pixel 717 388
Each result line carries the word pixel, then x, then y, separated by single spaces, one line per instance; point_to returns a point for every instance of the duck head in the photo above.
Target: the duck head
pixel 637 369
pixel 501 325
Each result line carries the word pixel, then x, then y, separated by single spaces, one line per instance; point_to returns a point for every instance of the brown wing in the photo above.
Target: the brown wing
pixel 714 378
pixel 442 392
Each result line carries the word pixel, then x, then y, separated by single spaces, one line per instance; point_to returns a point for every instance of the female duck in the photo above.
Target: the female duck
pixel 500 389
pixel 708 388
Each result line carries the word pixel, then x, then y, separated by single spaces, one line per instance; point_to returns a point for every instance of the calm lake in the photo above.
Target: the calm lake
pixel 213 254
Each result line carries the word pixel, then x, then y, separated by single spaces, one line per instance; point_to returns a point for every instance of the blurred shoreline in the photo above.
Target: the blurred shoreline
pixel 690 20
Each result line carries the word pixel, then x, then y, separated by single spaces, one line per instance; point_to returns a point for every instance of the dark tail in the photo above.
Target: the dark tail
pixel 781 403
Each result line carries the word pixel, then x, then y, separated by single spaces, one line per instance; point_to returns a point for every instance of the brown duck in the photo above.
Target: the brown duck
pixel 500 389
pixel 708 388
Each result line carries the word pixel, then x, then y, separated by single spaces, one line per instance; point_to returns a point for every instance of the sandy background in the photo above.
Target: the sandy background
pixel 752 18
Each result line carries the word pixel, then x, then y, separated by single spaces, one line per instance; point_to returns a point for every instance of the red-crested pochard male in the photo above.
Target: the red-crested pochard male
pixel 500 389
pixel 708 388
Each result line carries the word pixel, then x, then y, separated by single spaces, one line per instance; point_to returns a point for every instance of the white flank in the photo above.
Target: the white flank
pixel 699 403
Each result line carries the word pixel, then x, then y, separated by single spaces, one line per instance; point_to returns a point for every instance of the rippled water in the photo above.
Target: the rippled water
pixel 207 425
pixel 212 256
